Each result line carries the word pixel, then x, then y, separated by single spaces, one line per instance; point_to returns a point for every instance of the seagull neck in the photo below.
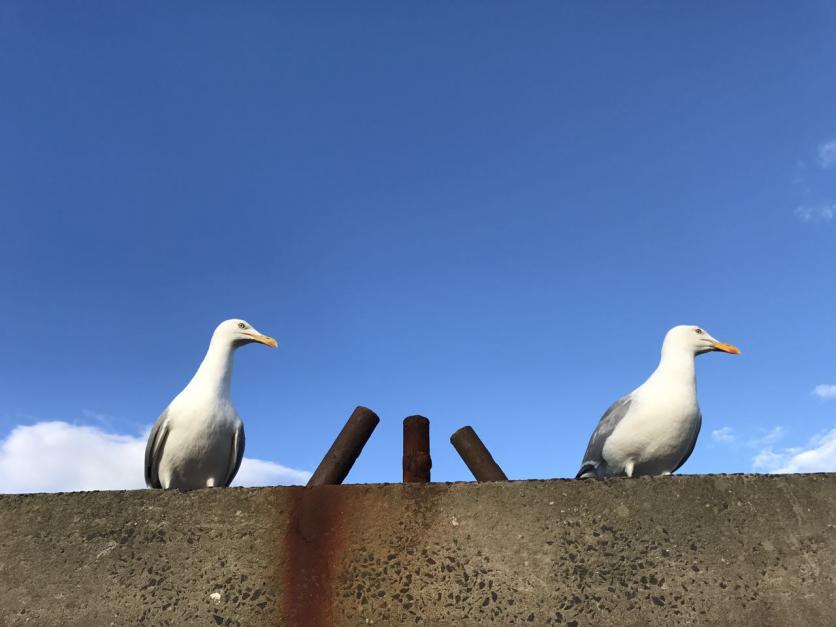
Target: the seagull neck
pixel 215 371
pixel 678 365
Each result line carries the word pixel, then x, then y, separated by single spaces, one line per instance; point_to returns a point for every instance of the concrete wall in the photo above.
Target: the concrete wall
pixel 710 550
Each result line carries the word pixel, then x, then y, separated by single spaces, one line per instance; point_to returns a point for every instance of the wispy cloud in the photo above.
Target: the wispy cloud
pixel 799 177
pixel 827 154
pixel 724 435
pixel 818 455
pixel 825 391
pixel 770 437
pixel 816 213
pixel 61 457
pixel 815 205
pixel 755 438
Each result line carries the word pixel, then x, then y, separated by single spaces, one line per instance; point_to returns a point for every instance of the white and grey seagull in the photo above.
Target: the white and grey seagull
pixel 653 430
pixel 198 440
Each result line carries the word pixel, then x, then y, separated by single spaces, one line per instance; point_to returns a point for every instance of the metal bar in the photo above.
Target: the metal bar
pixel 345 450
pixel 416 450
pixel 476 455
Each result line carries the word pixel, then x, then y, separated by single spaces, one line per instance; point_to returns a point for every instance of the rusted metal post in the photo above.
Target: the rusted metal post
pixel 477 457
pixel 345 450
pixel 416 450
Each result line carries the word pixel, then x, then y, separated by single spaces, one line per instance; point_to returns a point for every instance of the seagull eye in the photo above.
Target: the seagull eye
pixel 241 325
pixel 698 331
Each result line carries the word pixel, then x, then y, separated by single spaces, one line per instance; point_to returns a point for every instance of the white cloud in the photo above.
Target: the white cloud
pixel 817 213
pixel 769 460
pixel 818 456
pixel 827 154
pixel 257 472
pixel 724 435
pixel 61 457
pixel 825 391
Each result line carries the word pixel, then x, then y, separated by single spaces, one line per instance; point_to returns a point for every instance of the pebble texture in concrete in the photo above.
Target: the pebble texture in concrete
pixel 708 550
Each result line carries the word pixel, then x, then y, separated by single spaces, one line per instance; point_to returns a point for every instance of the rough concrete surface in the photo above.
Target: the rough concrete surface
pixel 689 550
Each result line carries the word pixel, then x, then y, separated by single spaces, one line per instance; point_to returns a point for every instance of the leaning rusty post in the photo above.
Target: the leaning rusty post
pixel 477 457
pixel 345 450
pixel 416 450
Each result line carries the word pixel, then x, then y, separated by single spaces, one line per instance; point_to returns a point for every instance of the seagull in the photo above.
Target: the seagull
pixel 653 430
pixel 198 440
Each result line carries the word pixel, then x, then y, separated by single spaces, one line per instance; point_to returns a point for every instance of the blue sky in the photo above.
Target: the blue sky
pixel 488 214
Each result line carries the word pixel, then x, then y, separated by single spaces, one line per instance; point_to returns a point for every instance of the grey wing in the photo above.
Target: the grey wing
pixel 236 453
pixel 693 443
pixel 154 450
pixel 595 449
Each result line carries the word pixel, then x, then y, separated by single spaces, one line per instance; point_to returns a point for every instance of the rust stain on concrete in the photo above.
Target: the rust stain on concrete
pixel 313 544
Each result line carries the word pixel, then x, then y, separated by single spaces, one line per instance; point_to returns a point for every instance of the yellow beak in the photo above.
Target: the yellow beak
pixel 726 348
pixel 265 339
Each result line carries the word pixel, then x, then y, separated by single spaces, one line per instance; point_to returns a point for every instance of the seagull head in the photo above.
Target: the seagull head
pixel 696 340
pixel 239 332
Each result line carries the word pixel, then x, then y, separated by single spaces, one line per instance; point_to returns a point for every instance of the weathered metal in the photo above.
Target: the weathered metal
pixel 345 450
pixel 476 455
pixel 416 450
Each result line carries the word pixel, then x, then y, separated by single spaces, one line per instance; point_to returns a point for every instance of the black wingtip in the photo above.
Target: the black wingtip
pixel 587 471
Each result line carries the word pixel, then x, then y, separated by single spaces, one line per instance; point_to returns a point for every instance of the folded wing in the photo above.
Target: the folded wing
pixel 593 457
pixel 154 450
